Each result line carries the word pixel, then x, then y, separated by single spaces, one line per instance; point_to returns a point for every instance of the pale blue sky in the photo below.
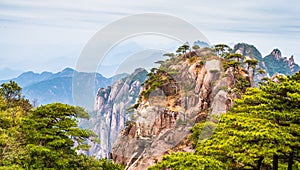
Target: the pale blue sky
pixel 48 35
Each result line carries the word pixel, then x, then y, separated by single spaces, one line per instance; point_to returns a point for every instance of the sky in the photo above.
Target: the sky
pixel 49 35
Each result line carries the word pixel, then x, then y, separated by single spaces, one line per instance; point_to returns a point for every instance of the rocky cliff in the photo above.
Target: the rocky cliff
pixel 182 92
pixel 110 114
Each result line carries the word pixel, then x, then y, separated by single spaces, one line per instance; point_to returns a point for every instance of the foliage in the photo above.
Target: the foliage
pixel 192 59
pixel 235 56
pixel 157 78
pixel 222 50
pixel 231 63
pixel 11 93
pixel 251 63
pixel 261 131
pixel 242 84
pixel 50 132
pixel 260 71
pixel 202 131
pixel 169 55
pixel 182 49
pixel 46 137
pixel 109 165
pixel 195 47
pixel 131 108
pixel 261 128
pixel 188 161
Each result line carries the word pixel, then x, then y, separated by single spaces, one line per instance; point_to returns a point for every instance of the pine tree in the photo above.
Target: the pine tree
pixel 262 129
pixel 50 132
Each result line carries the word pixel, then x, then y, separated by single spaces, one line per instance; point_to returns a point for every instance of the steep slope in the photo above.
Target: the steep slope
pixel 111 111
pixel 182 92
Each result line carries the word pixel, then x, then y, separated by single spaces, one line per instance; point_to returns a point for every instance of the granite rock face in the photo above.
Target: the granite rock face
pixel 159 126
pixel 110 114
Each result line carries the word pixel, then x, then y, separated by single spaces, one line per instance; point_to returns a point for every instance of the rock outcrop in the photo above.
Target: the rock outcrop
pixel 277 54
pixel 157 127
pixel 292 65
pixel 110 114
pixel 283 65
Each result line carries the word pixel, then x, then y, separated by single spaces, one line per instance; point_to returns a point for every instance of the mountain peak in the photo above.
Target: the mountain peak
pixel 27 73
pixel 67 72
pixel 68 69
pixel 201 43
pixel 247 50
pixel 139 70
pixel 276 53
pixel 292 65
pixel 291 60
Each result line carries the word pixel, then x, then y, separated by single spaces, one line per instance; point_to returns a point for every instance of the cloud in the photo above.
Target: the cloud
pixel 53 28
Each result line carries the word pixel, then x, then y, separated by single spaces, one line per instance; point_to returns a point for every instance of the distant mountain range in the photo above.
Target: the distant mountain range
pixel 272 63
pixel 47 87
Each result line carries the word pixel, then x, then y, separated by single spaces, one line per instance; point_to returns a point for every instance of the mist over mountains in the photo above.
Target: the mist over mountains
pixel 48 87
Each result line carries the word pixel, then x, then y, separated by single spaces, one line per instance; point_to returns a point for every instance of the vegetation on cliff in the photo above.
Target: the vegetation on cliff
pixel 261 131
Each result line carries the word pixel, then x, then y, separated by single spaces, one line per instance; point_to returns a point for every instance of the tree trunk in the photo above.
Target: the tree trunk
pixel 259 163
pixel 290 163
pixel 275 162
pixel 252 78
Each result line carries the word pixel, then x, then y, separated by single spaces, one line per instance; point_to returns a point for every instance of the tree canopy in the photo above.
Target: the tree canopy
pixel 46 137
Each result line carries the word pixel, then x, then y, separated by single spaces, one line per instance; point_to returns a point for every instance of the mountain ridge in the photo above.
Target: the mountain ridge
pixel 47 87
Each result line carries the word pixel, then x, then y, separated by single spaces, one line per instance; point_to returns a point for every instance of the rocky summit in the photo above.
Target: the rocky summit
pixel 180 93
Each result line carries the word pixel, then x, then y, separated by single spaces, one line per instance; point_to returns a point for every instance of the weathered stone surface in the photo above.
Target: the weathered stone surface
pixel 110 117
pixel 156 130
pixel 219 104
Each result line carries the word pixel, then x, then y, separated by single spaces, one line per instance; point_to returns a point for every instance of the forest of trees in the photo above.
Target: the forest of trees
pixel 261 131
pixel 46 137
